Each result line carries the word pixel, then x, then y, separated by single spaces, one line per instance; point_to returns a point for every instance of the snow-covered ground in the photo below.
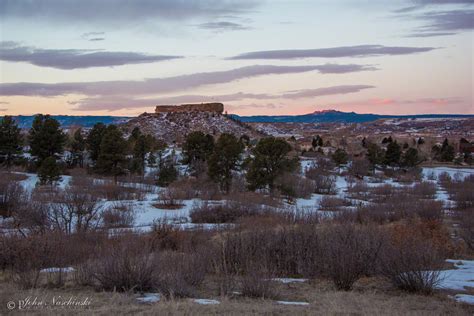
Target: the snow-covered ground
pixel 146 213
pixel 459 278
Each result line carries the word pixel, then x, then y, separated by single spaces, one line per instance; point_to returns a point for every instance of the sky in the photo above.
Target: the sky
pixel 273 57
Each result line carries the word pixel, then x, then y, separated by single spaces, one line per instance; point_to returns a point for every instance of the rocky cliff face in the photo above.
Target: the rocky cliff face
pixel 174 126
pixel 202 107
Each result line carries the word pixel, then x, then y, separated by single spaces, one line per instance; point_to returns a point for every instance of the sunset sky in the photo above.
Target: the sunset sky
pixel 121 57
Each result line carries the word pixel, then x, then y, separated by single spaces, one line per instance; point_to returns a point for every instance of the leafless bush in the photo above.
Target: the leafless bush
pixel 123 265
pixel 169 198
pixel 178 274
pixel 359 168
pixel 382 192
pixel 467 227
pixel 11 194
pixel 331 203
pixel 295 186
pixel 359 190
pixel 320 166
pixel 118 215
pixel 257 283
pixel 349 252
pixel 117 192
pixel 411 263
pixel 324 184
pixel 287 251
pixel 425 190
pixel 396 208
pixel 462 192
pixel 222 213
pixel 408 175
pixel 74 210
pixel 26 256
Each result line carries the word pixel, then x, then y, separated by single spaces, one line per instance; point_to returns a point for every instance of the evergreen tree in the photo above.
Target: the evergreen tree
pixel 113 153
pixel 393 154
pixel 10 141
pixel 49 171
pixel 78 145
pixel 196 149
pixel 167 173
pixel 318 141
pixel 224 159
pixel 447 151
pixel 375 154
pixel 46 138
pixel 143 145
pixel 340 156
pixel 270 160
pixel 94 140
pixel 410 158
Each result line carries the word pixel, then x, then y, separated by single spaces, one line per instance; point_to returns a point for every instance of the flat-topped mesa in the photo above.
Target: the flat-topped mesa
pixel 201 107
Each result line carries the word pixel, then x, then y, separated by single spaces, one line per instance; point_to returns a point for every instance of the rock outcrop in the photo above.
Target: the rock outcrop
pixel 173 126
pixel 202 107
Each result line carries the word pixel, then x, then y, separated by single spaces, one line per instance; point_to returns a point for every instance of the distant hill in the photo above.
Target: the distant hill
pixel 332 116
pixel 68 120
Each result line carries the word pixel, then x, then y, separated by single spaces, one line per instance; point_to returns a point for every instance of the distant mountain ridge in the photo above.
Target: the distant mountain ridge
pixel 333 116
pixel 325 116
pixel 25 121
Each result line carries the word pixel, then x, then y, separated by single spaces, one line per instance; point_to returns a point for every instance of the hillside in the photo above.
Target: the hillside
pixel 174 126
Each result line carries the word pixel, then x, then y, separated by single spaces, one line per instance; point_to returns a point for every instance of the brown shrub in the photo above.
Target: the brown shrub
pixel 425 190
pixel 169 198
pixel 324 184
pixel 178 274
pixel 349 252
pixel 118 215
pixel 257 283
pixel 331 203
pixel 229 212
pixel 125 264
pixel 11 194
pixel 467 227
pixel 294 186
pixel 411 262
pixel 320 166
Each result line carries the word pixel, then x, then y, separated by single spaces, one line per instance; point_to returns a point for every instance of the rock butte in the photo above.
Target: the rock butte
pixel 201 107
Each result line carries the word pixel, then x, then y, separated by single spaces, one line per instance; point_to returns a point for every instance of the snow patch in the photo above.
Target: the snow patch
pixel 293 303
pixel 149 298
pixel 459 278
pixel 464 298
pixel 203 301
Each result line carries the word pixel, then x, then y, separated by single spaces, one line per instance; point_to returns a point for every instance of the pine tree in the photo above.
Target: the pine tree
pixel 10 141
pixel 94 140
pixel 270 160
pixel 340 157
pixel 224 159
pixel 78 145
pixel 46 138
pixel 196 149
pixel 143 145
pixel 375 154
pixel 447 151
pixel 49 171
pixel 112 155
pixel 410 158
pixel 393 153
pixel 167 173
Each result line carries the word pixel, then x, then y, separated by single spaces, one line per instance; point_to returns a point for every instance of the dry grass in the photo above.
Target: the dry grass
pixel 369 297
